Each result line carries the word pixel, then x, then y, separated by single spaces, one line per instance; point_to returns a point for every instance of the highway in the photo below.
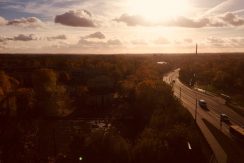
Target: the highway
pixel 216 106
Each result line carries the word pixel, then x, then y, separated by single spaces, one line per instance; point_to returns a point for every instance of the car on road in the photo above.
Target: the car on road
pixel 202 103
pixel 224 118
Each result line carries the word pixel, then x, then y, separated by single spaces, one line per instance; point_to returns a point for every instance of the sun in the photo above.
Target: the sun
pixel 158 10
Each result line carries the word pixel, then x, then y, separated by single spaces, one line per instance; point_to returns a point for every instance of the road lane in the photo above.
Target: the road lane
pixel 215 103
pixel 211 116
pixel 188 98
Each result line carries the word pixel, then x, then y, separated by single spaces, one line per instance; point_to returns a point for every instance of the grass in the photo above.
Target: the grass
pixel 236 109
pixel 209 88
pixel 233 149
pixel 239 99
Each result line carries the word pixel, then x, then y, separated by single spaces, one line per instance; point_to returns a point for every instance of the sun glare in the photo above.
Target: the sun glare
pixel 158 10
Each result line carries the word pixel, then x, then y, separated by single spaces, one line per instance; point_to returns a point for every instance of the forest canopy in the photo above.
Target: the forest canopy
pixel 55 104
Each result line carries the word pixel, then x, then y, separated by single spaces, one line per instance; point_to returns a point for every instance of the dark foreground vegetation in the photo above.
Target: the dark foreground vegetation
pixel 234 156
pixel 106 109
pixel 216 73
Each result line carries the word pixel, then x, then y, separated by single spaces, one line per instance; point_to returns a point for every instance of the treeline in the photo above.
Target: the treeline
pixel 148 124
pixel 59 85
pixel 221 73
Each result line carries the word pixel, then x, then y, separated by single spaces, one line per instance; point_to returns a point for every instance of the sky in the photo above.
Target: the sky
pixel 121 26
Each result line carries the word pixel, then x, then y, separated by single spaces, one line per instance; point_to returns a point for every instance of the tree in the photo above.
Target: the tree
pixel 25 100
pixel 52 99
pixel 107 147
pixel 151 146
pixel 7 83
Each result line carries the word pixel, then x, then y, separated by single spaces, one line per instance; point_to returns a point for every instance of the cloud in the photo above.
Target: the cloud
pixel 161 40
pixel 44 8
pixel 135 20
pixel 189 23
pixel 87 43
pixel 65 4
pixel 233 19
pixel 225 6
pixel 89 46
pixel 3 39
pixel 114 42
pixel 26 22
pixel 22 37
pixel 223 42
pixel 78 18
pixel 188 40
pixel 59 37
pixel 229 42
pixel 132 20
pixel 183 42
pixel 99 44
pixel 215 40
pixel 228 19
pixel 237 42
pixel 3 21
pixel 139 42
pixel 2 47
pixel 98 35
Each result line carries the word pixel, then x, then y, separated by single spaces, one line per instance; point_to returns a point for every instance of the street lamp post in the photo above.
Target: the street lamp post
pixel 221 124
pixel 196 111
pixel 180 92
pixel 194 84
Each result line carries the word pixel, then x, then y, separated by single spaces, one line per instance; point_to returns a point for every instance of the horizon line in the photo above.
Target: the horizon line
pixel 121 53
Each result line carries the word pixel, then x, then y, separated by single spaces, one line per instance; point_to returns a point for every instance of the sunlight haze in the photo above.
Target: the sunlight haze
pixel 121 26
